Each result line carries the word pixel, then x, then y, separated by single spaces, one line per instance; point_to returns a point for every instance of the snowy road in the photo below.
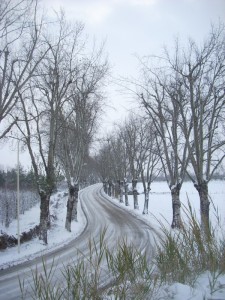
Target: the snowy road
pixel 100 213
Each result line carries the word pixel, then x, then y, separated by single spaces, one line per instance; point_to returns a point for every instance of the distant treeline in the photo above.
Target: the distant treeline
pixel 8 179
pixel 8 193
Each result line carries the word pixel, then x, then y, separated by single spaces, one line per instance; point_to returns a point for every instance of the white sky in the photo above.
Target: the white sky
pixel 138 27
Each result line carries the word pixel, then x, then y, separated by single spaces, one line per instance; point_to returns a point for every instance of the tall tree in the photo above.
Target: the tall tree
pixel 150 167
pixel 134 137
pixel 21 53
pixel 113 164
pixel 200 94
pixel 164 113
pixel 48 94
pixel 77 133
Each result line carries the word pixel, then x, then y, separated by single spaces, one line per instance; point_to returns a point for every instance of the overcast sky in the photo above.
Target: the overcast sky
pixel 136 27
pixel 139 27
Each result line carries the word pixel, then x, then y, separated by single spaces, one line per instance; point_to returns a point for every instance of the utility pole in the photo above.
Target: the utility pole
pixel 18 197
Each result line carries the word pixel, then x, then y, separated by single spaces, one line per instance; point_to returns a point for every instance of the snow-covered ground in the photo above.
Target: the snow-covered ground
pixel 57 235
pixel 207 286
pixel 160 208
pixel 160 205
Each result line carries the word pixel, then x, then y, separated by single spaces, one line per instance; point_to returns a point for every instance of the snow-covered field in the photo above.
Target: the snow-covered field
pixel 207 286
pixel 159 208
pixel 160 205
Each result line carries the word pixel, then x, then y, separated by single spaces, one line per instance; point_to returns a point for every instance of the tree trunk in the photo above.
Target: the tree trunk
pixel 120 190
pixel 146 192
pixel 135 193
pixel 202 189
pixel 105 186
pixel 7 221
pixel 126 192
pixel 74 211
pixel 176 205
pixel 70 205
pixel 44 216
pixel 110 188
pixel 113 190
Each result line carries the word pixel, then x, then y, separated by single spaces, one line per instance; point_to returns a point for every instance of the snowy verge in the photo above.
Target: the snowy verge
pixel 207 286
pixel 58 236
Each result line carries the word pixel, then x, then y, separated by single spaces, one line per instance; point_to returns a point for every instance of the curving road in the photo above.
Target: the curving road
pixel 100 213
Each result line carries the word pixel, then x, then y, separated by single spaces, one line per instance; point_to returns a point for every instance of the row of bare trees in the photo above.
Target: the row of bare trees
pixel 127 155
pixel 182 98
pixel 51 90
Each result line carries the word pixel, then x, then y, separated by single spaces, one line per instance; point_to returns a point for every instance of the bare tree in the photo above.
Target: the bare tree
pixel 200 94
pixel 81 116
pixel 48 93
pixel 164 113
pixel 140 143
pixel 134 138
pixel 150 167
pixel 129 151
pixel 113 163
pixel 85 98
pixel 21 51
pixel 103 159
pixel 119 165
pixel 70 153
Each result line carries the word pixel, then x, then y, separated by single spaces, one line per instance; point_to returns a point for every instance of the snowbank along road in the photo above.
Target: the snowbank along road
pixel 100 214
